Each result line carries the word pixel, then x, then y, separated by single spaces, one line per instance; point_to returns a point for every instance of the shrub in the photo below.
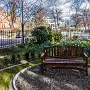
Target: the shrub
pixel 75 37
pixel 5 61
pixel 30 41
pixel 19 57
pixel 49 30
pixel 57 36
pixel 42 34
pixel 13 58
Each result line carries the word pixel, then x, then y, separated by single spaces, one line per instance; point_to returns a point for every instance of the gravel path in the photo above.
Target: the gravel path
pixel 53 80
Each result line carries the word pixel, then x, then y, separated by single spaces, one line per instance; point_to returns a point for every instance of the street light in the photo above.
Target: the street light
pixel 22 25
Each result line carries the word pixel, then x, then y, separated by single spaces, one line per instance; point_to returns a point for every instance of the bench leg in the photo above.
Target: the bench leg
pixel 86 70
pixel 86 73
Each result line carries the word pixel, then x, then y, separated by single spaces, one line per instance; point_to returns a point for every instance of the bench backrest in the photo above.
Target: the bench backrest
pixel 63 52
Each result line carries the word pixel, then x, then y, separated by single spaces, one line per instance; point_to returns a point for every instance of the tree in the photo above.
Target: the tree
pixel 76 19
pixel 11 6
pixel 82 18
pixel 85 17
pixel 76 7
pixel 56 15
pixel 39 17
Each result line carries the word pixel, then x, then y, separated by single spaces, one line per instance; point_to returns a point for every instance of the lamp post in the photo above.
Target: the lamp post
pixel 22 25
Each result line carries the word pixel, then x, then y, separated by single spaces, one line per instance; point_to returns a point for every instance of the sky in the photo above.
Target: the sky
pixel 67 11
pixel 65 7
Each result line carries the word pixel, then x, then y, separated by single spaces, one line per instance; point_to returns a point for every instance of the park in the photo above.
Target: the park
pixel 44 44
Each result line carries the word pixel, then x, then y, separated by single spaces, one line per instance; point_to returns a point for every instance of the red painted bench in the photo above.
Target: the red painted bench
pixel 62 57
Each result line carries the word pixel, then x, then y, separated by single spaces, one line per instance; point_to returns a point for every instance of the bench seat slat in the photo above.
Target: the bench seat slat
pixel 65 61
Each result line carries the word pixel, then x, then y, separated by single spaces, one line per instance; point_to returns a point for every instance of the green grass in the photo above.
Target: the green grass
pixel 7 75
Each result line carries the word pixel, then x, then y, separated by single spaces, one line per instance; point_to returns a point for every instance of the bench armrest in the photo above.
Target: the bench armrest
pixel 85 57
pixel 42 55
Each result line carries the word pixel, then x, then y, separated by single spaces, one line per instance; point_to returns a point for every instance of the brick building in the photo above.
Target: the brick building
pixel 5 22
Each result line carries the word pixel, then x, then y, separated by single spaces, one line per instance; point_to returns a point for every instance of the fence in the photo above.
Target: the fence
pixel 9 38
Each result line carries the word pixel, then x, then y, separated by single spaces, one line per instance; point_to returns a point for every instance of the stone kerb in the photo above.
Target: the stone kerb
pixel 16 76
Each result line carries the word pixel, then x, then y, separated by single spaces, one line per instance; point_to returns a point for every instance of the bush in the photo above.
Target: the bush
pixel 42 34
pixel 75 37
pixel 57 36
pixel 49 30
pixel 30 41
pixel 13 58
pixel 3 61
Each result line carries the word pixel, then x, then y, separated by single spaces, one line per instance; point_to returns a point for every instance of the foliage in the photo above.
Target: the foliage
pixel 42 34
pixel 38 48
pixel 85 44
pixel 49 30
pixel 57 36
pixel 5 61
pixel 34 51
pixel 30 40
pixel 13 58
pixel 75 37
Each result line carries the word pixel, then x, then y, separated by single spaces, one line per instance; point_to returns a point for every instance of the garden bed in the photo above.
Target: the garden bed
pixel 32 79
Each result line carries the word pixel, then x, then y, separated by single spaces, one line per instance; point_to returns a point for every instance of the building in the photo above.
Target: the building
pixel 5 22
pixel 50 22
pixel 53 23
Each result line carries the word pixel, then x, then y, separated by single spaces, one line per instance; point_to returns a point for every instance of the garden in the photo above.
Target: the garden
pixel 30 53
pixel 27 27
pixel 32 49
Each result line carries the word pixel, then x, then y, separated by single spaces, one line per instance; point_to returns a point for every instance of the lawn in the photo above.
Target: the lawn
pixel 7 75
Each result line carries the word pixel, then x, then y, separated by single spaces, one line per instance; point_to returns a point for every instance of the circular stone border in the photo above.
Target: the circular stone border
pixel 22 71
pixel 16 76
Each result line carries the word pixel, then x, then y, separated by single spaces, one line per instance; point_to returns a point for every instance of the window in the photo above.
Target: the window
pixel 6 25
pixel 1 25
pixel 2 17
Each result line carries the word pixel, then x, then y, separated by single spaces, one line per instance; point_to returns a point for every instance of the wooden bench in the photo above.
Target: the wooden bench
pixel 62 57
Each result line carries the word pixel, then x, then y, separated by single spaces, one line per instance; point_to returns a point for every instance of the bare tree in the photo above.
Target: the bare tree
pixel 76 20
pixel 39 17
pixel 86 17
pixel 11 6
pixel 55 13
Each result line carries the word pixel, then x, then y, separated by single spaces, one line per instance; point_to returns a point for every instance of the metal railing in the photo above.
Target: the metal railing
pixel 9 38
